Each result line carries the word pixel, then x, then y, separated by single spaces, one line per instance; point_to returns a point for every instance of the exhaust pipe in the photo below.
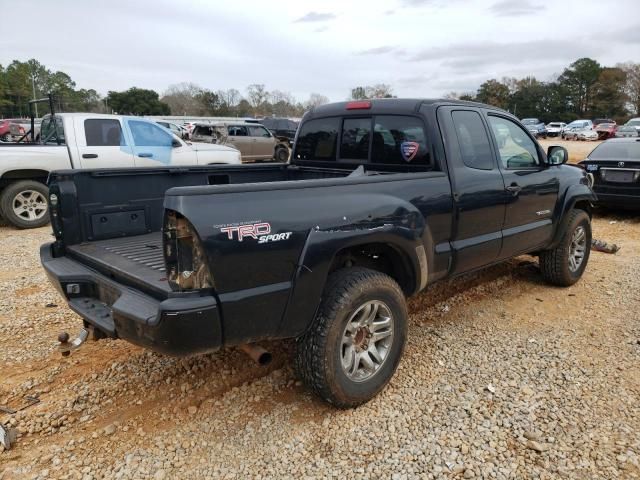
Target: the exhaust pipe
pixel 256 353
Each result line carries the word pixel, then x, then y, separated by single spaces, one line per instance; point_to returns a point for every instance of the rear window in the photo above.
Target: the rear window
pixel 381 140
pixel 202 130
pixel 102 132
pixel 616 151
pixel 52 131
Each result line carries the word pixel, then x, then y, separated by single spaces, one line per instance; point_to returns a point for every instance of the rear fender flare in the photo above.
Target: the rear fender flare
pixel 313 269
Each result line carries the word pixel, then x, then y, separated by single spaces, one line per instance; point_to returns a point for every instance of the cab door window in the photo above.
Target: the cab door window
pixel 475 148
pixel 516 148
pixel 146 134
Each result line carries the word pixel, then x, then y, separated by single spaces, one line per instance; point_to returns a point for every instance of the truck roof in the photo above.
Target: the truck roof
pixel 393 105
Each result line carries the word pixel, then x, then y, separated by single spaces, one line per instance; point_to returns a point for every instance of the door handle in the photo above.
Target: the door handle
pixel 514 188
pixel 145 155
pixel 89 155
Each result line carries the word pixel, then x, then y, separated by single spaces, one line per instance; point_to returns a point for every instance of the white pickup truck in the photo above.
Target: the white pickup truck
pixel 83 140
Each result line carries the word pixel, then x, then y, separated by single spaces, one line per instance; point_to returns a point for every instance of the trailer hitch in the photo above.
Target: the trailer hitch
pixel 66 346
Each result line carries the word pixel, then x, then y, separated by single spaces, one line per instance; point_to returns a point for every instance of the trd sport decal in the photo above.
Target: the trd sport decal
pixel 260 231
pixel 409 150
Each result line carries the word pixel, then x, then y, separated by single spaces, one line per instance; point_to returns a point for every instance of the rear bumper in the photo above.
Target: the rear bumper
pixel 617 197
pixel 183 324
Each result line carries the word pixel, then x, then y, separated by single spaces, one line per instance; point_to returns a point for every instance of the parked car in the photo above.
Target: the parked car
pixel 5 131
pixel 323 249
pixel 253 140
pixel 606 130
pixel 281 127
pixel 81 140
pixel 18 128
pixel 535 126
pixel 572 130
pixel 178 130
pixel 635 123
pixel 615 166
pixel 554 129
pixel 598 121
pixel 627 131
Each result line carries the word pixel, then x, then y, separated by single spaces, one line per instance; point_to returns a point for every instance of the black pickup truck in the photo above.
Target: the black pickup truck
pixel 380 199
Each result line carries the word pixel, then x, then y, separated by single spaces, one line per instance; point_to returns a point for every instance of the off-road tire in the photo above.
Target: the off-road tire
pixel 7 197
pixel 318 356
pixel 554 263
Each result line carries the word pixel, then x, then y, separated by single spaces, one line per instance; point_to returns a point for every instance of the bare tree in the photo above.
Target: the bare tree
pixel 257 94
pixel 315 100
pixel 182 98
pixel 632 86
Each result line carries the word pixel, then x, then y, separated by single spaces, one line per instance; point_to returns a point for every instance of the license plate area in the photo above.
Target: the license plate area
pixel 617 176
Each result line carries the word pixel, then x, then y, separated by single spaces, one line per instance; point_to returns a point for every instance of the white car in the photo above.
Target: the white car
pixel 178 130
pixel 85 140
pixel 554 129
pixel 635 123
pixel 571 131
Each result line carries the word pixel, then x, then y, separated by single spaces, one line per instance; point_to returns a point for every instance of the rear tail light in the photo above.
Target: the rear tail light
pixel 184 256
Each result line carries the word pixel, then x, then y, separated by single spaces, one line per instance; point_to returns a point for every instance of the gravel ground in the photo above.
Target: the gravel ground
pixel 503 377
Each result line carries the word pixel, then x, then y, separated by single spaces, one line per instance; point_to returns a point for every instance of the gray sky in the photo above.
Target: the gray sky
pixel 421 47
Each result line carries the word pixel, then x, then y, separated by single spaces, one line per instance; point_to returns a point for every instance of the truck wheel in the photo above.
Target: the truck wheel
pixel 564 265
pixel 282 154
pixel 24 204
pixel 355 342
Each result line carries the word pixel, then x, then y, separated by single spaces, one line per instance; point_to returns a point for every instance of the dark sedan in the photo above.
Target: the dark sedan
pixel 615 166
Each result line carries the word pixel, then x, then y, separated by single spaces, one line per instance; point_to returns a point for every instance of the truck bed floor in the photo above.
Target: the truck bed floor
pixel 139 259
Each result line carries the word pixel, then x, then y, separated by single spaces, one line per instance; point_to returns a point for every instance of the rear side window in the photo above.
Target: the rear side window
pixel 102 132
pixel 475 149
pixel 259 131
pixel 237 131
pixel 317 139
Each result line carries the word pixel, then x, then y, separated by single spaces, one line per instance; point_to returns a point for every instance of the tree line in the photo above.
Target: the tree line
pixel 585 89
pixel 23 81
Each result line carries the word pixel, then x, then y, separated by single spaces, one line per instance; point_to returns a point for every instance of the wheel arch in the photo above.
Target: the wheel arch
pixel 396 251
pixel 12 176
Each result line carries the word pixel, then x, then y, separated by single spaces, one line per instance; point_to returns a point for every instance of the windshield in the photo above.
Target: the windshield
pixel 633 123
pixel 555 124
pixel 530 121
pixel 616 151
pixel 577 124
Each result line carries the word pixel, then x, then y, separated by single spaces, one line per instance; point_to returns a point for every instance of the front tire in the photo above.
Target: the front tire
pixel 24 204
pixel 564 265
pixel 354 345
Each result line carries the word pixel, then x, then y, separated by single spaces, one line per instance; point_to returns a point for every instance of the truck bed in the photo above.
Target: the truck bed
pixel 138 259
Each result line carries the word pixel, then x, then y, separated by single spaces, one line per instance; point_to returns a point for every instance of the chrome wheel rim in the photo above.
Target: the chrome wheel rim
pixel 577 248
pixel 30 205
pixel 366 341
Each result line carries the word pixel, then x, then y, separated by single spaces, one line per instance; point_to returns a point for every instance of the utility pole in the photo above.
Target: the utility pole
pixel 33 88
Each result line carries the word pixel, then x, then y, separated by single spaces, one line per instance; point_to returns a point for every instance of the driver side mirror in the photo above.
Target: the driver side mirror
pixel 557 155
pixel 175 143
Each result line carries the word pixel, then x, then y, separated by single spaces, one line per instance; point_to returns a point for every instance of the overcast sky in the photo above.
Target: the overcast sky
pixel 421 47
